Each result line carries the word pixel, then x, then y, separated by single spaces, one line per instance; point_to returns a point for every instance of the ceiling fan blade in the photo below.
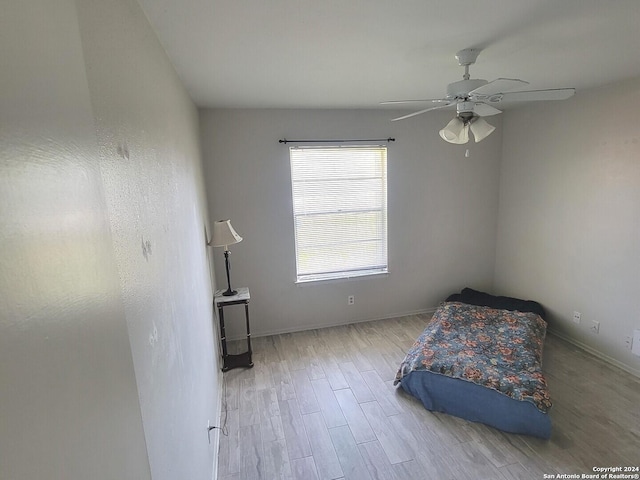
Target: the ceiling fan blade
pixel 484 110
pixel 533 95
pixel 497 86
pixel 434 100
pixel 420 112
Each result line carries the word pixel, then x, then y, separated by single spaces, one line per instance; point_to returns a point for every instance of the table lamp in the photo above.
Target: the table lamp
pixel 223 236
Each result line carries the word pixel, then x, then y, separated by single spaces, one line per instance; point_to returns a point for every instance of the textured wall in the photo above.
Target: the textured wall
pixel 68 397
pixel 108 361
pixel 442 214
pixel 569 222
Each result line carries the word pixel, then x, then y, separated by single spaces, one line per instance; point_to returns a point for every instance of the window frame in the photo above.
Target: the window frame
pixel 383 238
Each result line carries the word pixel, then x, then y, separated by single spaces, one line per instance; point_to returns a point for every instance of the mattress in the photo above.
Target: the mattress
pixel 482 364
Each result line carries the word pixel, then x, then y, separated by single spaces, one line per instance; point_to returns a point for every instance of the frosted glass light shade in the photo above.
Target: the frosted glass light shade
pixel 481 129
pixel 224 234
pixel 455 132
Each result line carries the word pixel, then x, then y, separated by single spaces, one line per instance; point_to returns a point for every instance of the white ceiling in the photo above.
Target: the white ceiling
pixel 357 53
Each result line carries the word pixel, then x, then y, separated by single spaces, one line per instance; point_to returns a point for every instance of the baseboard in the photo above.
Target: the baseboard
pixel 596 353
pixel 299 328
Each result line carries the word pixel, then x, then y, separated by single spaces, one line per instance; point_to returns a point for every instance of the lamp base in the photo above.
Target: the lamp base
pixel 229 292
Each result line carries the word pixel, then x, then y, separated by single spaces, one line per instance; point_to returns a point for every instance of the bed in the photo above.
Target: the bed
pixel 480 358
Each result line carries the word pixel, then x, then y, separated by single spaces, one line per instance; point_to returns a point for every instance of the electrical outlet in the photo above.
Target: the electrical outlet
pixel 628 342
pixel 351 300
pixel 635 343
pixel 576 317
pixel 595 327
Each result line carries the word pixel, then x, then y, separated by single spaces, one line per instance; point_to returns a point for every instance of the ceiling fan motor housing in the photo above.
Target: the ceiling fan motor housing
pixel 465 107
pixel 461 89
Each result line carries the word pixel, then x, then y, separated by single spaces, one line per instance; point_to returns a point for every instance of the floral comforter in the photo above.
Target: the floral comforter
pixel 498 349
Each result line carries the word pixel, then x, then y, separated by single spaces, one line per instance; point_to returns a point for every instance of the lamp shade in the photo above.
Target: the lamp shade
pixel 456 131
pixel 224 234
pixel 481 129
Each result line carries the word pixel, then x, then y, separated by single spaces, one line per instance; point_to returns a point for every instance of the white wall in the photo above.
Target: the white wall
pixel 569 221
pixel 442 214
pixel 108 364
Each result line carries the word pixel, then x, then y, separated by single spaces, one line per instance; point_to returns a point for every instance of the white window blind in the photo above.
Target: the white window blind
pixel 339 210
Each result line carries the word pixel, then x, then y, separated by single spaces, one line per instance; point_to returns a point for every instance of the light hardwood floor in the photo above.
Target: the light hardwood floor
pixel 320 404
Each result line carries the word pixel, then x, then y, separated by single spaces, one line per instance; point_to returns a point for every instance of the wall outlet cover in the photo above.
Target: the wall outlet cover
pixel 576 317
pixel 635 347
pixel 628 342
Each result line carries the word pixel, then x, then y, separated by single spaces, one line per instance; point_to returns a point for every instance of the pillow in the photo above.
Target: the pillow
pixel 474 297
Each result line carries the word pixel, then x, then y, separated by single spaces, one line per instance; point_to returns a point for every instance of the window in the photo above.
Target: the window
pixel 339 211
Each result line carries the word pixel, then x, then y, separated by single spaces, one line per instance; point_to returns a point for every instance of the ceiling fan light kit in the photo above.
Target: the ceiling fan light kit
pixel 456 131
pixel 472 98
pixel 481 129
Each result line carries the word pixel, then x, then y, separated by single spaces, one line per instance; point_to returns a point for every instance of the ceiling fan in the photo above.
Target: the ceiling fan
pixel 475 98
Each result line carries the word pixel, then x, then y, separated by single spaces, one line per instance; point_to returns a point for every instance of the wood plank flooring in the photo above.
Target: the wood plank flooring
pixel 320 404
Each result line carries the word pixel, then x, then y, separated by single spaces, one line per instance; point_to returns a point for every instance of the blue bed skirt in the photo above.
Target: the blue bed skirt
pixel 476 403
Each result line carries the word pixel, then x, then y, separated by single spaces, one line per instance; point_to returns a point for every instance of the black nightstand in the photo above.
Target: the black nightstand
pixel 241 298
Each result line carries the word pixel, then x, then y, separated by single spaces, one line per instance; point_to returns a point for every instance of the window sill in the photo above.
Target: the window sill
pixel 342 278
